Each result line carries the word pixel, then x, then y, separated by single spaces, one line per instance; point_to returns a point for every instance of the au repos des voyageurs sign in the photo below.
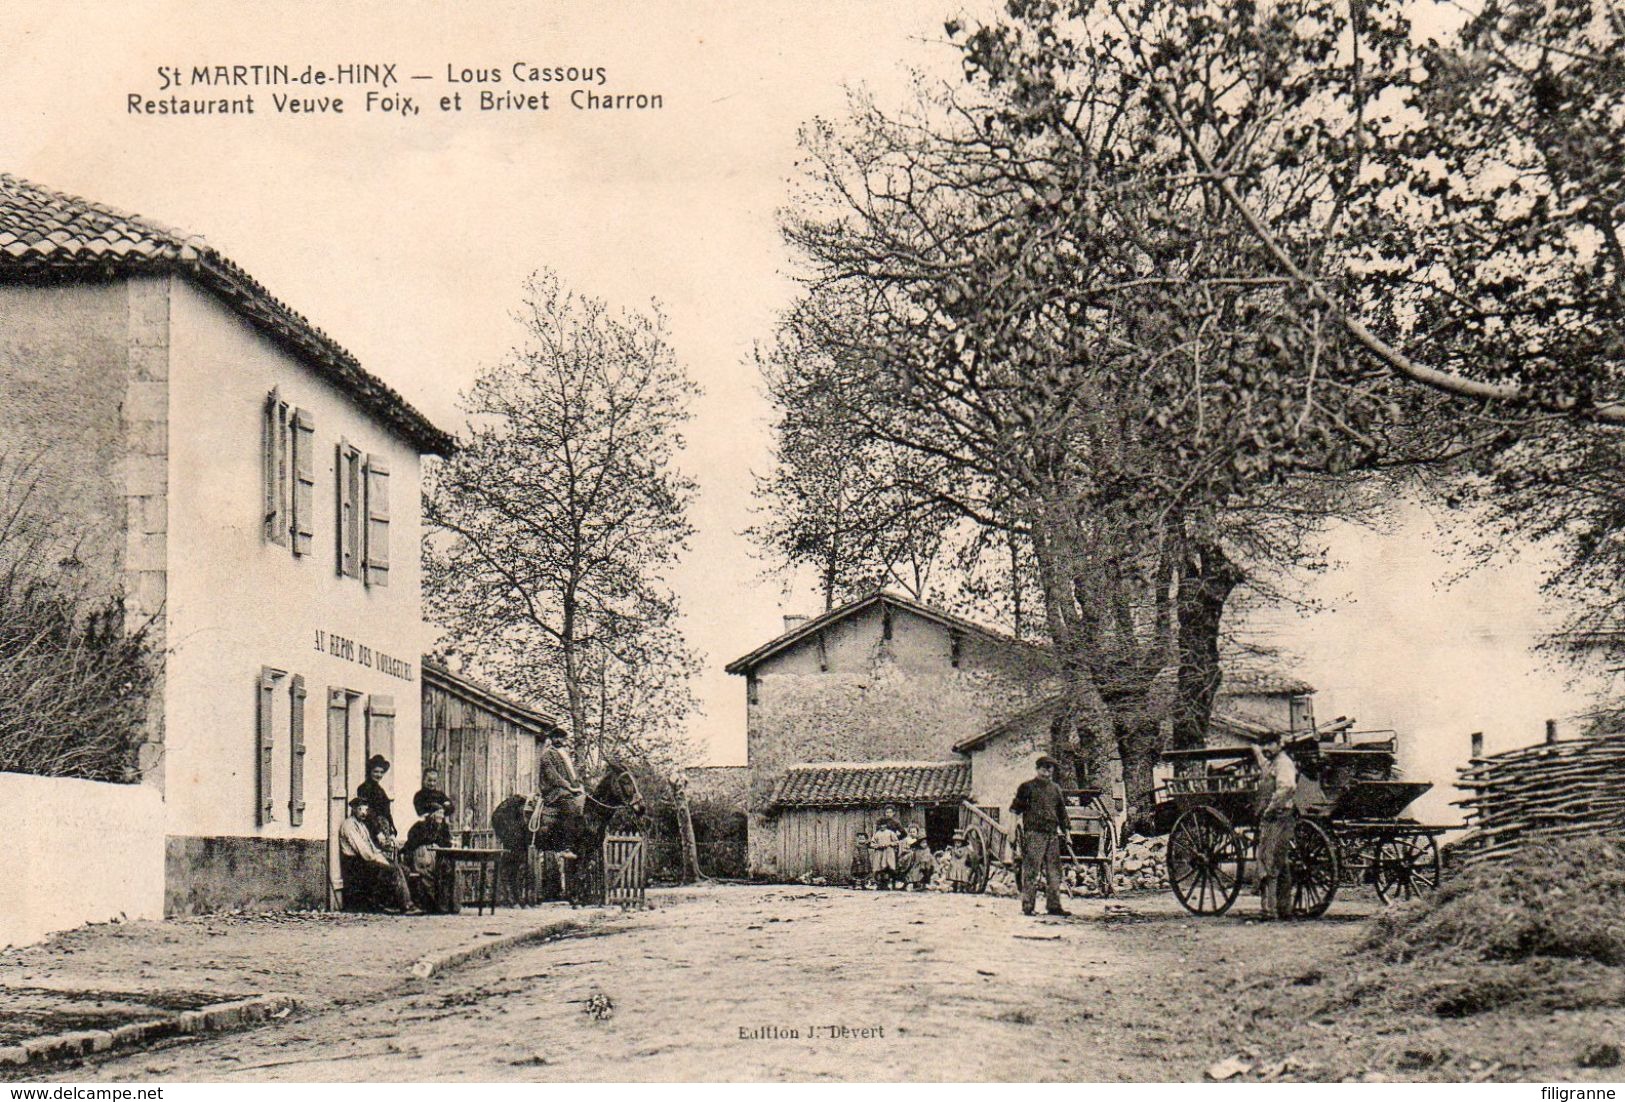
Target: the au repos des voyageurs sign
pixel 361 654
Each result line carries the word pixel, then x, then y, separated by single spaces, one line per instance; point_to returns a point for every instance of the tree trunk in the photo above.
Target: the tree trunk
pixel 1206 581
pixel 1138 749
pixel 685 825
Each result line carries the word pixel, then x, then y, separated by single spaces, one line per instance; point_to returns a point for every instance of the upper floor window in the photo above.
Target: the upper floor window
pixel 363 514
pixel 289 460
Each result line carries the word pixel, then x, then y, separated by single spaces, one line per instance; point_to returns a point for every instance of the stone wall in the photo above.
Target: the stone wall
pixel 206 875
pixel 863 697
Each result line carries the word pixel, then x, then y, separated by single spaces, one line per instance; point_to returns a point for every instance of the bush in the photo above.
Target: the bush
pixel 1556 900
pixel 75 677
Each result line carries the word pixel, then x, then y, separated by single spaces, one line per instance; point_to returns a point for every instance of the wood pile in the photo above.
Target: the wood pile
pixel 1142 865
pixel 1544 792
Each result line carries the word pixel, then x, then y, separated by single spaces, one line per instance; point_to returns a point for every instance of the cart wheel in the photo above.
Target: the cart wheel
pixel 1313 861
pixel 1204 861
pixel 1015 858
pixel 1108 853
pixel 1406 866
pixel 981 869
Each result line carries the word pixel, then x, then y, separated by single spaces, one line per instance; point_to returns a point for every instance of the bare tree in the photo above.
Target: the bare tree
pixel 551 528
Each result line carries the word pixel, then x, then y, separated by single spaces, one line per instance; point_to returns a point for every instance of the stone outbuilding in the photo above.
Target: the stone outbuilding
pixel 887 701
pixel 861 707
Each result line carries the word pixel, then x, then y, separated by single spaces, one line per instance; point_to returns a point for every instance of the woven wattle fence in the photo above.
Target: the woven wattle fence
pixel 1540 793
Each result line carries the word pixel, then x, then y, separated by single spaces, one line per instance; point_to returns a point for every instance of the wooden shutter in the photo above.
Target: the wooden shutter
pixel 338 743
pixel 303 522
pixel 296 751
pixel 264 740
pixel 377 479
pixel 275 459
pixel 381 726
pixel 344 467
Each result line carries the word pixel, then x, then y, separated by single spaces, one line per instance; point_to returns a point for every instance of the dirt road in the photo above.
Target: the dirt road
pixel 789 983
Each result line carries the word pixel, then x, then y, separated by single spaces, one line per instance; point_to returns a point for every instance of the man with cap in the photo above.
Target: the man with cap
pixel 1043 817
pixel 371 876
pixel 1277 822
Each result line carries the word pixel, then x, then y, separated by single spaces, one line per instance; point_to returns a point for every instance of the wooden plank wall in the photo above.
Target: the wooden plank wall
pixel 483 758
pixel 819 841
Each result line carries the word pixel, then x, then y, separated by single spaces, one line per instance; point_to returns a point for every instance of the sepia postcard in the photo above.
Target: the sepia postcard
pixel 1034 541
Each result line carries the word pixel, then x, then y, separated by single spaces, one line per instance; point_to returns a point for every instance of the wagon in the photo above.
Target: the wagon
pixel 1350 830
pixel 1089 850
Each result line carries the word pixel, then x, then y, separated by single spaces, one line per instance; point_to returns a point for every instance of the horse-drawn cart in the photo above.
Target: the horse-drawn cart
pixel 1088 851
pixel 1349 829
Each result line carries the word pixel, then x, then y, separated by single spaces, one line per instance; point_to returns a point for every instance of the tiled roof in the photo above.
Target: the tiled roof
pixel 873 784
pixel 45 235
pixel 1262 683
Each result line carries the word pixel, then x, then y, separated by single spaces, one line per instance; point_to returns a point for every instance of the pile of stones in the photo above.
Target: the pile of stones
pixel 1142 865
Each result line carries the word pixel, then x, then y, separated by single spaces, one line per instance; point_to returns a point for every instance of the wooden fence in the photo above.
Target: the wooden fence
pixel 1538 793
pixel 625 870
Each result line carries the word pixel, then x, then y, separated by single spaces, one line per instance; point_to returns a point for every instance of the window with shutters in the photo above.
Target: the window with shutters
pixel 275 433
pixel 377 524
pixel 302 522
pixel 296 750
pixel 347 466
pixel 265 745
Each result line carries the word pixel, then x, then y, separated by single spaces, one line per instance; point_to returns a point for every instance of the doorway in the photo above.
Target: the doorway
pixel 346 750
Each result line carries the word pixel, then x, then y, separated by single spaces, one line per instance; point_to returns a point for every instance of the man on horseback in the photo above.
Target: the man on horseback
pixel 562 794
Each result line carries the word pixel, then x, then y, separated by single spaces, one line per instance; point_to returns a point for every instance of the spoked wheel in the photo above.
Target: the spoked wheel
pixel 1108 851
pixel 1313 861
pixel 980 866
pixel 1405 866
pixel 1204 861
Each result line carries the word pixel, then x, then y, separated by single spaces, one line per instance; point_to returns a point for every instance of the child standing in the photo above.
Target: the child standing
pixel 860 862
pixel 883 855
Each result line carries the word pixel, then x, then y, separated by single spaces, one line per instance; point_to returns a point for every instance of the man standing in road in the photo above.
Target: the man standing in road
pixel 1277 822
pixel 1043 817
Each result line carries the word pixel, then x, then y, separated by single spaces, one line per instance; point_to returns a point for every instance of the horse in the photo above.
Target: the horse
pixel 524 822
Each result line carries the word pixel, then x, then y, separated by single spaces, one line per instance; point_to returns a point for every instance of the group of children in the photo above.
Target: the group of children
pixel 894 858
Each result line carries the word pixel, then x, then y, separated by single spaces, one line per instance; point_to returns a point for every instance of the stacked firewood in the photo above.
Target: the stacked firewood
pixel 1539 793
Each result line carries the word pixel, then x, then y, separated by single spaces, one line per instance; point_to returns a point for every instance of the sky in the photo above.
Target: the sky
pixel 408 238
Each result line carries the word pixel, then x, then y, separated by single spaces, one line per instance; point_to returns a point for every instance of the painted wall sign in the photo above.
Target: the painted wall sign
pixel 362 655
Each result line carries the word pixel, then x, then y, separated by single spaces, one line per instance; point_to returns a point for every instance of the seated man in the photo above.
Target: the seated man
pixel 428 834
pixel 371 879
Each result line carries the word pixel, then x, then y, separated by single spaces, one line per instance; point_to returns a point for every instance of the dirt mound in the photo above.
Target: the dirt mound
pixel 1559 900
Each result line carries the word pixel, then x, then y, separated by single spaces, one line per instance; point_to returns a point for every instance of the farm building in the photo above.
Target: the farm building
pixel 484 746
pixel 883 679
pixel 886 701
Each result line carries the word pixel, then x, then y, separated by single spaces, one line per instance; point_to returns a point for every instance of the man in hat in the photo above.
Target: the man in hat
pixel 371 877
pixel 1043 817
pixel 1277 822
pixel 561 786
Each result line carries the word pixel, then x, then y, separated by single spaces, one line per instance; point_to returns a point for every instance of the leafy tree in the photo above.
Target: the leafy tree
pixel 552 526
pixel 1060 330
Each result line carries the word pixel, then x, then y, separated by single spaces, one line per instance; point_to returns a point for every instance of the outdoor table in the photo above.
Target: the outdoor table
pixel 446 860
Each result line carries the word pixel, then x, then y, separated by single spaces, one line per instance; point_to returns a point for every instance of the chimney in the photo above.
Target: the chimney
pixel 793 622
pixel 1551 731
pixel 1478 744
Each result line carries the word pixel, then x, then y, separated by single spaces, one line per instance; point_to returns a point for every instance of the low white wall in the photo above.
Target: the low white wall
pixel 75 851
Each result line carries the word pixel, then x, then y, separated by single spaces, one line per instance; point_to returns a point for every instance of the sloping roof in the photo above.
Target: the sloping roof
pixel 1005 726
pixel 1263 683
pixel 492 701
pixel 46 235
pixel 812 627
pixel 873 784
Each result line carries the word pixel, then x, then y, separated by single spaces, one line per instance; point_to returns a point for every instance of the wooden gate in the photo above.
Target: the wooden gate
pixel 625 870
